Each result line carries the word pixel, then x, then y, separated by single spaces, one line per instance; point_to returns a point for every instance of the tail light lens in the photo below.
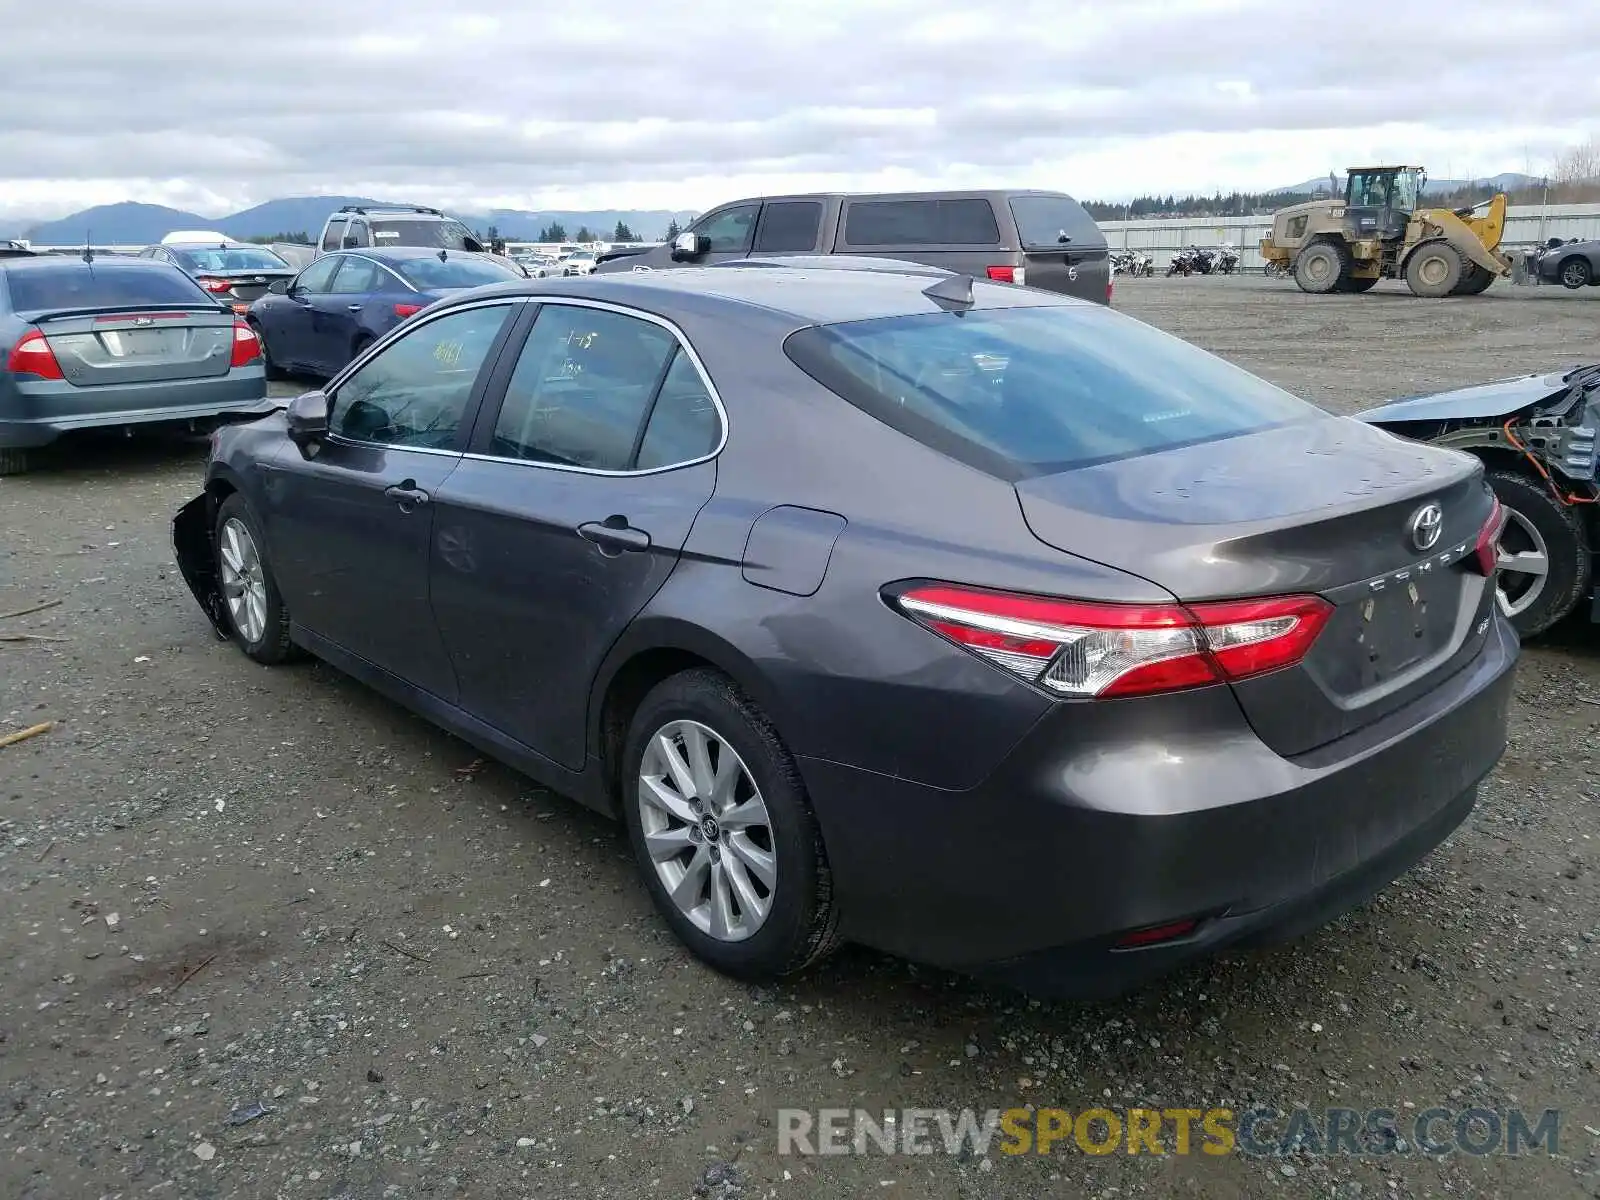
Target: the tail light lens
pixel 1486 550
pixel 1090 650
pixel 215 285
pixel 33 356
pixel 1110 287
pixel 246 345
pixel 407 310
pixel 1016 275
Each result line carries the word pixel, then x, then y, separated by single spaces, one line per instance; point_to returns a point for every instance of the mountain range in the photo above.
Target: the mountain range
pixel 129 223
pixel 1506 181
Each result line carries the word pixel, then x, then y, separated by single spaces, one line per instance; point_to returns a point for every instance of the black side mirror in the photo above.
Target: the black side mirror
pixel 279 287
pixel 307 419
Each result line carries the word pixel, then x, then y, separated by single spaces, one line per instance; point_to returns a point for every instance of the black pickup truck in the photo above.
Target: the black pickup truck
pixel 1038 239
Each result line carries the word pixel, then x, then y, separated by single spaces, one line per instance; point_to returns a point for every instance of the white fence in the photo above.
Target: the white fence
pixel 1526 225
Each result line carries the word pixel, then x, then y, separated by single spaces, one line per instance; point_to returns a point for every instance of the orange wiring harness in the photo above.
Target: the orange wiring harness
pixel 1564 497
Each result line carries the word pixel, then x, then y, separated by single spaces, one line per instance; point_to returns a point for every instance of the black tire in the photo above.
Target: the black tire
pixel 1322 267
pixel 1477 281
pixel 1566 546
pixel 13 462
pixel 1575 273
pixel 1435 270
pixel 269 368
pixel 801 926
pixel 272 646
pixel 1355 286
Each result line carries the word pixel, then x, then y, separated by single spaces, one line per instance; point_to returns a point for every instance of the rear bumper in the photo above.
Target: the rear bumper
pixel 1033 877
pixel 43 416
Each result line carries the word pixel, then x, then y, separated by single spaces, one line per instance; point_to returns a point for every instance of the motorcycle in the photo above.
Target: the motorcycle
pixel 1277 269
pixel 1131 263
pixel 1182 263
pixel 1204 260
pixel 1227 261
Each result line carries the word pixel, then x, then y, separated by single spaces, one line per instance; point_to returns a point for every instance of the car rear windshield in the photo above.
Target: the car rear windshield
pixel 231 258
pixel 1030 391
pixel 428 273
pixel 444 235
pixel 75 284
pixel 1046 220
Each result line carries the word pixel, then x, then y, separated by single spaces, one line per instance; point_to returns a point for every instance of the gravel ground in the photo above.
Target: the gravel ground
pixel 225 885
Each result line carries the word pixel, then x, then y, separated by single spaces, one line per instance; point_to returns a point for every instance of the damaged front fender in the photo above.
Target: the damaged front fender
pixel 195 549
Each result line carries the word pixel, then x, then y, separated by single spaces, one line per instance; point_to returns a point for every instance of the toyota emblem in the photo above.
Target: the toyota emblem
pixel 1425 526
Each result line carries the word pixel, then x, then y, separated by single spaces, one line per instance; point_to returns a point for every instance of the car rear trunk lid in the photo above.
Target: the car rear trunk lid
pixel 139 346
pixel 1062 248
pixel 1323 506
pixel 241 287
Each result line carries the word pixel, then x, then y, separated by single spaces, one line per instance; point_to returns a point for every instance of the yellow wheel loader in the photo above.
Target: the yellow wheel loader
pixel 1378 232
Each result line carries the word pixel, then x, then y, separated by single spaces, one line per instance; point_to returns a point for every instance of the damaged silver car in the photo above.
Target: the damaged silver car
pixel 1536 435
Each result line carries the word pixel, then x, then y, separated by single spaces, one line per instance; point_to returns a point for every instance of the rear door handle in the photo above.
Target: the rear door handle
pixel 355 307
pixel 614 535
pixel 407 495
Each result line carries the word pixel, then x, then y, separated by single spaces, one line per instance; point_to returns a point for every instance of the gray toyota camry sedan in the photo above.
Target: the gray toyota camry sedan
pixel 978 624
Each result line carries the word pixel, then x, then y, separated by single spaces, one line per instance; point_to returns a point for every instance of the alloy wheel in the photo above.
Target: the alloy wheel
pixel 707 830
pixel 1524 565
pixel 244 583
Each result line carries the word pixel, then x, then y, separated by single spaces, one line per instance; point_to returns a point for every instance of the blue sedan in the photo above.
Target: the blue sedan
pixel 330 312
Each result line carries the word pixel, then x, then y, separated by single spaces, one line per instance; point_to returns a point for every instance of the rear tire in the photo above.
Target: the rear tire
pixel 13 462
pixel 1359 285
pixel 1435 270
pixel 1575 273
pixel 1537 524
pixel 256 614
pixel 1322 267
pixel 269 368
pixel 796 922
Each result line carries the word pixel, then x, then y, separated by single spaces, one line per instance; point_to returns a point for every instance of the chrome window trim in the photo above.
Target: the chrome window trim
pixel 683 344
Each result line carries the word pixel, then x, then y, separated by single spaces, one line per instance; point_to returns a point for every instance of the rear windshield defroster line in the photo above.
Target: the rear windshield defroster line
pixel 1020 392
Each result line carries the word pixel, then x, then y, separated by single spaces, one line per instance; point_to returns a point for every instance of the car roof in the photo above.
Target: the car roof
pixel 806 295
pixel 386 254
pixel 939 194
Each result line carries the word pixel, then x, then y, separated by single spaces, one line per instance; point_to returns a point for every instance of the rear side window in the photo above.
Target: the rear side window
pixel 358 276
pixel 1054 221
pixel 75 284
pixel 788 226
pixel 921 223
pixel 1032 391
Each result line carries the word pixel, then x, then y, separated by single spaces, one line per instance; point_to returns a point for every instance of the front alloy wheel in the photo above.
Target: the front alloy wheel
pixel 244 586
pixel 707 831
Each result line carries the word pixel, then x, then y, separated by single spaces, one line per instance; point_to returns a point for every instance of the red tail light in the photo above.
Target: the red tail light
pixel 33 356
pixel 1153 934
pixel 1486 550
pixel 407 310
pixel 214 285
pixel 246 345
pixel 1110 287
pixel 1090 650
pixel 1003 274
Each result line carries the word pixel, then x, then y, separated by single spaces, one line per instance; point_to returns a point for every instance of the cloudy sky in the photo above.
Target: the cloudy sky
pixel 638 104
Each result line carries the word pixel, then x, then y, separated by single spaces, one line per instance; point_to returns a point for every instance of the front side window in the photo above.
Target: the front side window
pixel 416 390
pixel 332 237
pixel 318 277
pixel 1037 390
pixel 729 231
pixel 582 388
pixel 358 235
